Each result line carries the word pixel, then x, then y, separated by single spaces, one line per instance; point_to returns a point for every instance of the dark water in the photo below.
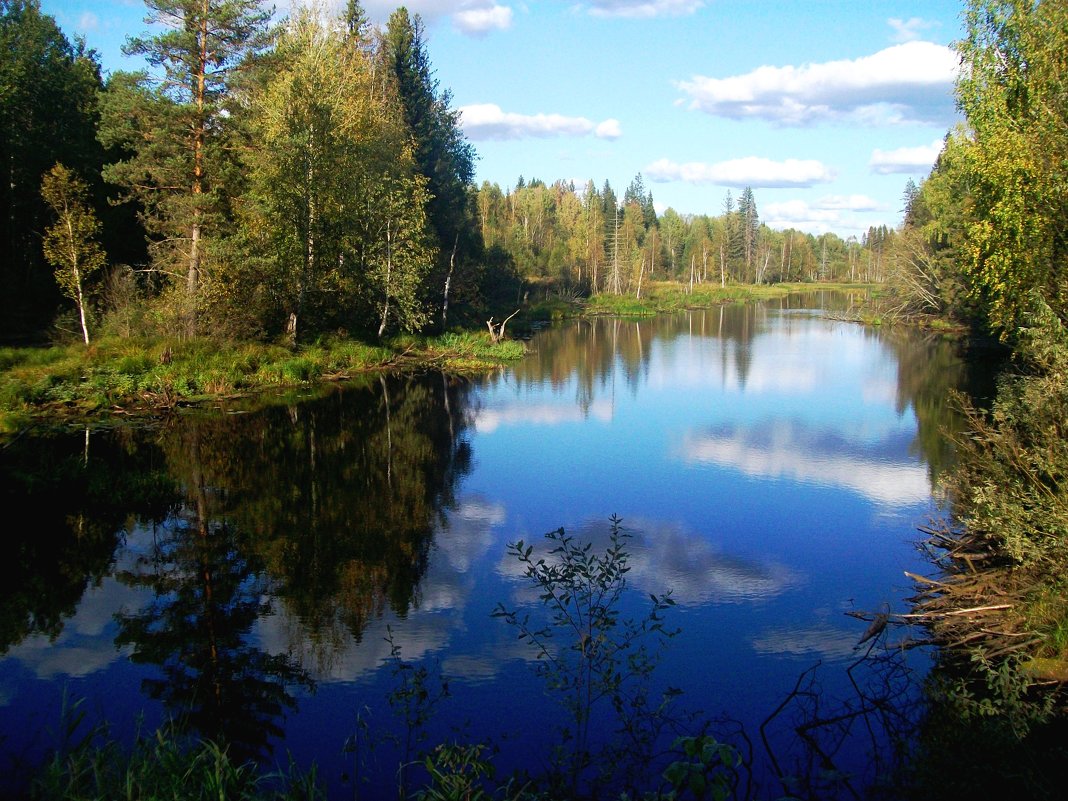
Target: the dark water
pixel 249 571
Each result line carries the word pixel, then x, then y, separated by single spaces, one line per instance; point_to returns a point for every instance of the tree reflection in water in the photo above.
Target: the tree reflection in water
pixel 73 497
pixel 323 511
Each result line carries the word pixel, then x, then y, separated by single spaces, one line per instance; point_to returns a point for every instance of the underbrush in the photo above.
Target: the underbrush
pixel 1001 599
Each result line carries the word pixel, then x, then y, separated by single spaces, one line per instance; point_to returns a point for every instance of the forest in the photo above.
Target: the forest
pixel 282 181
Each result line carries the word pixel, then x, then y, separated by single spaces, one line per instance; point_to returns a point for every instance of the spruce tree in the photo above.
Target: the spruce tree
pixel 442 155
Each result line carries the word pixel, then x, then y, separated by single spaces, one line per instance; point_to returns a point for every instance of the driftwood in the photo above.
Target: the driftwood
pixel 975 602
pixel 497 329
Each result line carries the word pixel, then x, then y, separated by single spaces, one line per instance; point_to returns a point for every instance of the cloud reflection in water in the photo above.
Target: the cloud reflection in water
pixel 821 640
pixel 488 420
pixel 787 449
pixel 666 557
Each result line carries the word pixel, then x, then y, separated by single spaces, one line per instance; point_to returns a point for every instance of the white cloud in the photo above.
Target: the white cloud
pixel 848 203
pixel 488 121
pixel 665 555
pixel 908 30
pixel 87 23
pixel 750 171
pixel 836 213
pixel 481 18
pixel 820 216
pixel 799 214
pixel 488 420
pixel 905 159
pixel 911 82
pixel 644 9
pixel 609 129
pixel 471 17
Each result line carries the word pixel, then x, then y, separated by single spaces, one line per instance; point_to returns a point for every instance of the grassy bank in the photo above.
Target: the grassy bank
pixel 139 373
pixel 659 297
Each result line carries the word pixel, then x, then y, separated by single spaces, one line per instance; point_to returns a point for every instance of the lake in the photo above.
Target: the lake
pixel 303 576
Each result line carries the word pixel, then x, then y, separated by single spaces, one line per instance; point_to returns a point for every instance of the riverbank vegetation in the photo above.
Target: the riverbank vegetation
pixel 984 243
pixel 144 374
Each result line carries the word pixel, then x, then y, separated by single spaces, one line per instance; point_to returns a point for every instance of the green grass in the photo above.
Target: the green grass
pixel 154 373
pixel 553 309
pixel 669 296
pixel 146 373
pixel 163 766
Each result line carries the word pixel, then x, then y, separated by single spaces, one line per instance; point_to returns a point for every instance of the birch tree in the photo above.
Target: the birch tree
pixel 48 111
pixel 335 209
pixel 70 244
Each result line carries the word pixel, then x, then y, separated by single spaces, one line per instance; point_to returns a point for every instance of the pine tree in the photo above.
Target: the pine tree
pixel 169 124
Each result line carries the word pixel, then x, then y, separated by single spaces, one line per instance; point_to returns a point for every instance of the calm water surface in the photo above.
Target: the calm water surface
pixel 251 570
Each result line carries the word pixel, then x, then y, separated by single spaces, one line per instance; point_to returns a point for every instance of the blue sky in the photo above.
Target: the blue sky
pixel 825 107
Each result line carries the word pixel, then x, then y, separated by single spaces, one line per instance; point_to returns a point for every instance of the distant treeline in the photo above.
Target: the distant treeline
pixel 594 240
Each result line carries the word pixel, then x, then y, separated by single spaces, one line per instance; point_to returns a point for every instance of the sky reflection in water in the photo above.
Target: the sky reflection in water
pixel 765 461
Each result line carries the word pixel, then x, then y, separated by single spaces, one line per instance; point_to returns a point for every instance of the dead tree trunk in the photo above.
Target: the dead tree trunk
pixel 497 329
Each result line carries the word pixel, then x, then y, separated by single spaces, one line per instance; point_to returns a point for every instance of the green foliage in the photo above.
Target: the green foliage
pixel 170 130
pixel 705 769
pixel 70 244
pixel 998 197
pixel 986 737
pixel 587 243
pixel 333 224
pixel 1012 484
pixel 457 773
pixel 591 656
pixel 443 158
pixel 48 113
pixel 416 693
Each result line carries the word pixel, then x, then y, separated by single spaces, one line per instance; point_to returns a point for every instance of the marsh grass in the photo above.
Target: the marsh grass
pixel 87 764
pixel 672 296
pixel 158 373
